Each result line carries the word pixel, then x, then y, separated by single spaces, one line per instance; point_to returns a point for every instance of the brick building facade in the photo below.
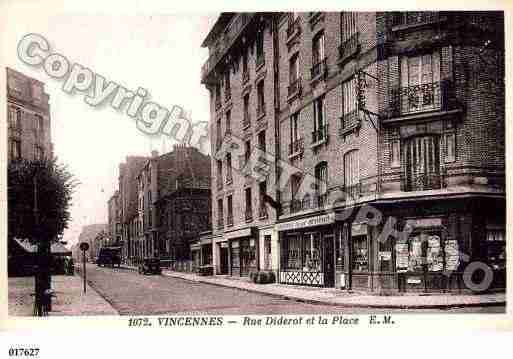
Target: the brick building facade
pixel 114 219
pixel 29 123
pixel 374 122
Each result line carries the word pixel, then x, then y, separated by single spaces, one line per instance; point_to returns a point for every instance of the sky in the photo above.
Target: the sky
pixel 159 52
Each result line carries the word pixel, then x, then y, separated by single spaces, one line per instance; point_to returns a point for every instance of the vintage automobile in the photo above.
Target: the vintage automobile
pixel 109 256
pixel 150 265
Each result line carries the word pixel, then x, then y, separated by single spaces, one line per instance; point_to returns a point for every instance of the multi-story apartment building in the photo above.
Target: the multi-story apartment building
pixel 128 201
pixel 28 111
pixel 114 219
pixel 384 147
pixel 173 203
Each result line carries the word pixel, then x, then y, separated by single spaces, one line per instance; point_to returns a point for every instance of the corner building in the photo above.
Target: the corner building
pixel 373 122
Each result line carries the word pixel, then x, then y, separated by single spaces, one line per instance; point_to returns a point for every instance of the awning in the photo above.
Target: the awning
pixel 56 248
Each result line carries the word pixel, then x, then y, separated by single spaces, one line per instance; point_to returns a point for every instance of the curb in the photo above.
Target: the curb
pixel 347 305
pixel 92 287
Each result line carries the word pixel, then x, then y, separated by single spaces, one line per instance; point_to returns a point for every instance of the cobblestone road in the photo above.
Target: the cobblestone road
pixel 134 294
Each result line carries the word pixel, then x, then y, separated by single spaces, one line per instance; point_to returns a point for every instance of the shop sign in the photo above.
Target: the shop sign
pixel 307 222
pixel 424 222
pixel 385 256
pixel 414 280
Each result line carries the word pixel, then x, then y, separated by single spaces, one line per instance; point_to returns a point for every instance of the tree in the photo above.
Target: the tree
pixel 49 184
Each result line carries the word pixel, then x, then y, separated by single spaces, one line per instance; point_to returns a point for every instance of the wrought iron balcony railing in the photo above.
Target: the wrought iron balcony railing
pixel 294 87
pixel 321 200
pixel 293 27
pixel 260 112
pixel 319 69
pixel 245 77
pixel 296 147
pixel 260 61
pixel 421 98
pixel 423 181
pixel 348 121
pixel 234 30
pixel 320 135
pixel 246 121
pixel 349 48
pixel 295 205
pixel 416 18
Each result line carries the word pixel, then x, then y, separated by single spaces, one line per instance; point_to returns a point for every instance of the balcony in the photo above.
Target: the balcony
pixel 320 135
pixel 260 111
pixel 246 121
pixel 229 220
pixel 296 148
pixel 248 215
pixel 260 61
pixel 353 191
pixel 293 28
pixel 321 200
pixel 415 18
pixel 232 33
pixel 435 96
pixel 422 181
pixel 349 122
pixel 320 69
pixel 262 212
pixel 245 77
pixel 294 88
pixel 295 206
pixel 348 49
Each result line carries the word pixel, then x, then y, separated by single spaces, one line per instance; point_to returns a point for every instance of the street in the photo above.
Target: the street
pixel 133 294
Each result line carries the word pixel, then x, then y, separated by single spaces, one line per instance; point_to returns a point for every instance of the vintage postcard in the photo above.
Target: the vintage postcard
pixel 338 168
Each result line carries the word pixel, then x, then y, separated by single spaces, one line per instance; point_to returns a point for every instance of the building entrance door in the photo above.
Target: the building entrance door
pixel 329 260
pixel 224 261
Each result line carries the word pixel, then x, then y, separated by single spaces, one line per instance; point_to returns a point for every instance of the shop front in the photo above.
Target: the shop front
pixel 307 251
pixel 242 249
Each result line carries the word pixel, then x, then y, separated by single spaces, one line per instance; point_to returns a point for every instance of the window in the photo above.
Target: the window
pixel 230 211
pixel 349 104
pixel 321 176
pixel 422 163
pixel 420 83
pixel 318 48
pixel 320 129
pixel 14 117
pixel 294 69
pixel 246 119
pixel 38 124
pixel 247 151
pixel 292 253
pixel 261 141
pixel 267 252
pixel 312 253
pixel 228 122
pixel 220 214
pixel 450 147
pixel 249 206
pixel 227 88
pixel 229 168
pixel 360 254
pixel 349 25
pixel 219 173
pixel 263 208
pixel 15 149
pixel 38 153
pixel 296 144
pixel 219 137
pixel 395 153
pixel 260 99
pixel 352 174
pixel 260 46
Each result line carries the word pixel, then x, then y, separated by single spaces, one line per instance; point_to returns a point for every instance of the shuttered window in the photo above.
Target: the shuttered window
pixel 422 165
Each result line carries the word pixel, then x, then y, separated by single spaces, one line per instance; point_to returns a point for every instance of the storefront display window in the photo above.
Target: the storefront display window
pixel 360 254
pixel 293 253
pixel 426 251
pixel 312 253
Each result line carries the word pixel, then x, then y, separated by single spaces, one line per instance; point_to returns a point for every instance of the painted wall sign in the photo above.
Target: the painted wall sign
pixel 307 222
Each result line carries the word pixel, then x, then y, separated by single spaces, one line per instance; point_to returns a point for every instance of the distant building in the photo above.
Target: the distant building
pixel 28 111
pixel 93 234
pixel 114 219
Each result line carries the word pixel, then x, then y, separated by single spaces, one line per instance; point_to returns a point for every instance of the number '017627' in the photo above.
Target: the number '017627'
pixel 23 352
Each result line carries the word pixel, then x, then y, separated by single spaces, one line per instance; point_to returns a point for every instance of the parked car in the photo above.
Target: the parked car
pixel 150 265
pixel 109 256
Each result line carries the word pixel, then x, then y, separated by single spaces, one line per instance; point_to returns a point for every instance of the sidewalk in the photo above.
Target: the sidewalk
pixel 338 297
pixel 70 299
